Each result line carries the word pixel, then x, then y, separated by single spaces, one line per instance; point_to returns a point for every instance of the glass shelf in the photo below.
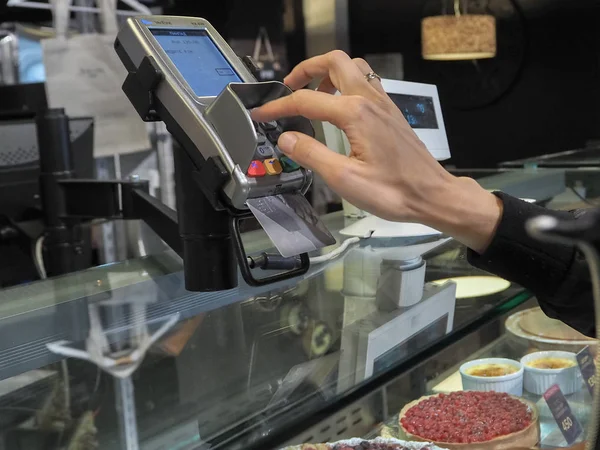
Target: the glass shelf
pixel 246 368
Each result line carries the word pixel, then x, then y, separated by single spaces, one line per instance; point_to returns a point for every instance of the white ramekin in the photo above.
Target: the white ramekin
pixel 511 384
pixel 538 381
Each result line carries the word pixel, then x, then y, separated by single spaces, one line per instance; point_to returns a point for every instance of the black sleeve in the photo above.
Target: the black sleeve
pixel 556 274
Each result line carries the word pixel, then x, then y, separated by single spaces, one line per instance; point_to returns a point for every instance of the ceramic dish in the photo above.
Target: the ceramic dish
pixel 538 380
pixel 476 286
pixel 511 383
pixel 537 330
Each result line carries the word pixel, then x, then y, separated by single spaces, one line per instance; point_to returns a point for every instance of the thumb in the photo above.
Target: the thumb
pixel 310 153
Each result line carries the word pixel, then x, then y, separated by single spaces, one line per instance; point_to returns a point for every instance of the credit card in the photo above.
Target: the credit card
pixel 291 223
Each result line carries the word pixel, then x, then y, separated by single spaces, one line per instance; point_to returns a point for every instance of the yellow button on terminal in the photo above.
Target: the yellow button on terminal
pixel 273 166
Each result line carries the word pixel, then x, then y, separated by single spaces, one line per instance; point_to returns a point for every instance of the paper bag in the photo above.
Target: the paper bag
pixel 84 75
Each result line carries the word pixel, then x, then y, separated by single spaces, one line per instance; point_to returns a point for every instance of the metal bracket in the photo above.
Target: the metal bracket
pixel 304 263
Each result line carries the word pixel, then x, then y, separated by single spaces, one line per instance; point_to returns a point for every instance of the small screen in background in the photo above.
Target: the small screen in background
pixel 198 59
pixel 418 111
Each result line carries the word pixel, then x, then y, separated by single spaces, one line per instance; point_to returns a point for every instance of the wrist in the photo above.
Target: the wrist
pixel 461 208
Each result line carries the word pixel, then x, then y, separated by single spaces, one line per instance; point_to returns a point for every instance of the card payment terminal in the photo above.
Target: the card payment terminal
pixel 181 71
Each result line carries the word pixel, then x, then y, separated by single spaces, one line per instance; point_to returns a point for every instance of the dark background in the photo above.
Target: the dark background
pixel 553 103
pixel 540 95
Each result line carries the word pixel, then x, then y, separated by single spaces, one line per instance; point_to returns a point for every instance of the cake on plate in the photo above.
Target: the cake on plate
pixel 472 420
pixel 362 444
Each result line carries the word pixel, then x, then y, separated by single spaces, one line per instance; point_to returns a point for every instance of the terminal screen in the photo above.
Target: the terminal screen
pixel 419 111
pixel 198 59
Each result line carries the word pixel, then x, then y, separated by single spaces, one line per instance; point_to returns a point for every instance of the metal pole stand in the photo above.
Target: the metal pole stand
pixel 125 403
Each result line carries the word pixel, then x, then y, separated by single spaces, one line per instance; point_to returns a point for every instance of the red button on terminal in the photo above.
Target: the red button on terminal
pixel 256 169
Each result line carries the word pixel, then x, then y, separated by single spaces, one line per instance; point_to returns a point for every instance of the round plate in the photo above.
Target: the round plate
pixel 476 286
pixel 546 330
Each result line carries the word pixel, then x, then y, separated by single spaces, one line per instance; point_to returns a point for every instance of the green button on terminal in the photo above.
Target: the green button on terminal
pixel 288 164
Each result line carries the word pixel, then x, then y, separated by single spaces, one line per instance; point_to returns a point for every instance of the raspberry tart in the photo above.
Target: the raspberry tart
pixel 472 420
pixel 362 444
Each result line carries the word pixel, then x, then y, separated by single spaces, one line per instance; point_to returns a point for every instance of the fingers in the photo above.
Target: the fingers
pixel 365 68
pixel 313 155
pixel 338 110
pixel 344 74
pixel 327 86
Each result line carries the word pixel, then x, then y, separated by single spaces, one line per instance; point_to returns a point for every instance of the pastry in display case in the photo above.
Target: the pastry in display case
pixel 545 369
pixel 493 374
pixel 362 444
pixel 472 420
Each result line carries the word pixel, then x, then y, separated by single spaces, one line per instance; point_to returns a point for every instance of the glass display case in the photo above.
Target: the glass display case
pixel 123 357
pixel 588 156
pixel 581 167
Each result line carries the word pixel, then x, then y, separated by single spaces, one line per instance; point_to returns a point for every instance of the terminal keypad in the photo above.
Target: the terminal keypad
pixel 268 159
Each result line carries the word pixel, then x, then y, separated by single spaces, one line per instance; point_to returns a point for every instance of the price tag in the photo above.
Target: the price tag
pixel 565 419
pixel 587 368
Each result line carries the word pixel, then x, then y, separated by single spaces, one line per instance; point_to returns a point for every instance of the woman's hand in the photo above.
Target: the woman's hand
pixel 389 169
pixel 389 172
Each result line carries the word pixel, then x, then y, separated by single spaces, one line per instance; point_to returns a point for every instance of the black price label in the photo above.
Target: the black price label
pixel 566 421
pixel 587 368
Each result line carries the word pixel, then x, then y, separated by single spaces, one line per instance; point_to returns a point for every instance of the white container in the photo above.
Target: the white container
pixel 537 381
pixel 511 384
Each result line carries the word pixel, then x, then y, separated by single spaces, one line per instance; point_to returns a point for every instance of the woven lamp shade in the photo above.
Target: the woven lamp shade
pixel 451 38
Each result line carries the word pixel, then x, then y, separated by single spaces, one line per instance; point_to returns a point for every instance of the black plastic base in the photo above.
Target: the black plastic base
pixel 208 263
pixel 208 256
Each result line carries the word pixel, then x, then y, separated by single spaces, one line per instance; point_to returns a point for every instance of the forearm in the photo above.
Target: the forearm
pixel 461 208
pixel 493 226
pixel 557 274
pixel 541 267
